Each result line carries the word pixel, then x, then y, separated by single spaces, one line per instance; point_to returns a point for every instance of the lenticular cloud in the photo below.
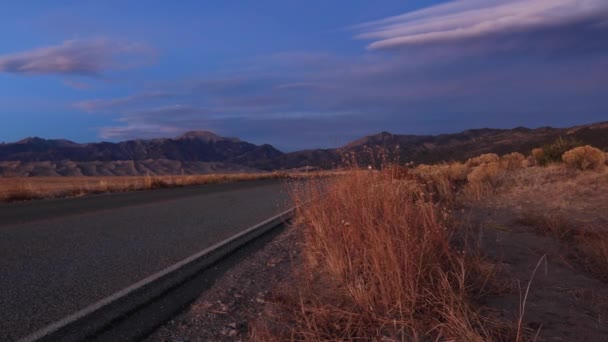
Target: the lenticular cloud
pixel 474 19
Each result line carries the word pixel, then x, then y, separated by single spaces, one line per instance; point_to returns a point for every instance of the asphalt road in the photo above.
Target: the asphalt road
pixel 58 256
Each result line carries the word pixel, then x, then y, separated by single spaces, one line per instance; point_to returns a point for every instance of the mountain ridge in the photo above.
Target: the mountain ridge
pixel 205 151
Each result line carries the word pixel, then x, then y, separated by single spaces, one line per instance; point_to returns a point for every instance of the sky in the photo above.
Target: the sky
pixel 298 74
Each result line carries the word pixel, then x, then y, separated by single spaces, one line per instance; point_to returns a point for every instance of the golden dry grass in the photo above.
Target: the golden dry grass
pixel 380 264
pixel 380 256
pixel 28 188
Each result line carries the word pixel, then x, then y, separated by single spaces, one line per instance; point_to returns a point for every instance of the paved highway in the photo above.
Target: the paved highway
pixel 58 256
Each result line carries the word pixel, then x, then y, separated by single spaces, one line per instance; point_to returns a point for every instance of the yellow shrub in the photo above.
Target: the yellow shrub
pixel 585 158
pixel 513 161
pixel 538 155
pixel 488 173
pixel 483 179
pixel 442 179
pixel 457 172
pixel 483 159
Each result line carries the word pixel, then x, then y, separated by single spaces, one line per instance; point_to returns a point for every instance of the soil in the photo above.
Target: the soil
pixel 563 303
pixel 223 313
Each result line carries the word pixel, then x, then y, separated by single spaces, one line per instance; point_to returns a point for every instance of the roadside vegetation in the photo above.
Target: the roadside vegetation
pixel 13 189
pixel 452 252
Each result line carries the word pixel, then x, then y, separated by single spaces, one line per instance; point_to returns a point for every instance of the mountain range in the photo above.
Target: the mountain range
pixel 205 152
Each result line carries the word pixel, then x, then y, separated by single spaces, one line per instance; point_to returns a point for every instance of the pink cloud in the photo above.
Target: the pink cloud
pixel 78 57
pixel 470 19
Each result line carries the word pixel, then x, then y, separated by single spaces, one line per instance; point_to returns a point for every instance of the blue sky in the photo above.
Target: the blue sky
pixel 298 74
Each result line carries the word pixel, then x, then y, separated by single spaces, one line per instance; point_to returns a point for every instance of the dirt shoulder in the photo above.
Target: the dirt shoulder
pixel 552 220
pixel 223 313
pixel 564 303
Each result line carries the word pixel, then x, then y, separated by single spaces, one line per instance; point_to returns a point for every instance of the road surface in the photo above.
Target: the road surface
pixel 58 256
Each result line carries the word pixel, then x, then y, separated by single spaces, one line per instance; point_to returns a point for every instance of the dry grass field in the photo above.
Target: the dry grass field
pixel 494 249
pixel 28 188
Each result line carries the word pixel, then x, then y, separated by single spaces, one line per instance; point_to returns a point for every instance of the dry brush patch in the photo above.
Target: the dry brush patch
pixel 28 188
pixel 585 158
pixel 443 180
pixel 483 159
pixel 381 261
pixel 381 264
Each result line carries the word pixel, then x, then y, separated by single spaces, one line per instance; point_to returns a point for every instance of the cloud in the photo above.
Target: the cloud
pixel 450 67
pixel 77 85
pixel 158 122
pixel 364 97
pixel 469 20
pixel 77 57
pixel 120 103
pixel 144 131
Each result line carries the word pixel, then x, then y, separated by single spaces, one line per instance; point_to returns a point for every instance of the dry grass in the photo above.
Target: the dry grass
pixel 591 252
pixel 380 256
pixel 585 246
pixel 565 203
pixel 444 180
pixel 380 265
pixel 29 188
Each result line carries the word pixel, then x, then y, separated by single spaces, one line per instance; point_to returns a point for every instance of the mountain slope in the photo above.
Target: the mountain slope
pixel 444 147
pixel 204 152
pixel 190 147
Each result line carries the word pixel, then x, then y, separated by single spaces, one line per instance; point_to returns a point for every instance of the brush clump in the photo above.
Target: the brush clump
pixel 483 159
pixel 381 264
pixel 585 158
pixel 513 161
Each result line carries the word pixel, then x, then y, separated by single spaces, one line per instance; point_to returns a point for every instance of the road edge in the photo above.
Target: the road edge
pixel 100 315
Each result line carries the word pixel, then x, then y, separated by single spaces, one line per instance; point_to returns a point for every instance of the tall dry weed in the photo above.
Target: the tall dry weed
pixel 381 266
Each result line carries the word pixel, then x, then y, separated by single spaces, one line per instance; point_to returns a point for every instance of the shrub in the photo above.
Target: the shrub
pixel 552 153
pixel 513 161
pixel 537 155
pixel 483 159
pixel 486 173
pixel 585 158
pixel 458 172
pixel 591 250
pixel 443 180
pixel 483 180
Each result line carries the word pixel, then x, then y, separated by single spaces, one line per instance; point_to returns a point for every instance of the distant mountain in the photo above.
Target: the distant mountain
pixel 205 152
pixel 385 146
pixel 189 147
